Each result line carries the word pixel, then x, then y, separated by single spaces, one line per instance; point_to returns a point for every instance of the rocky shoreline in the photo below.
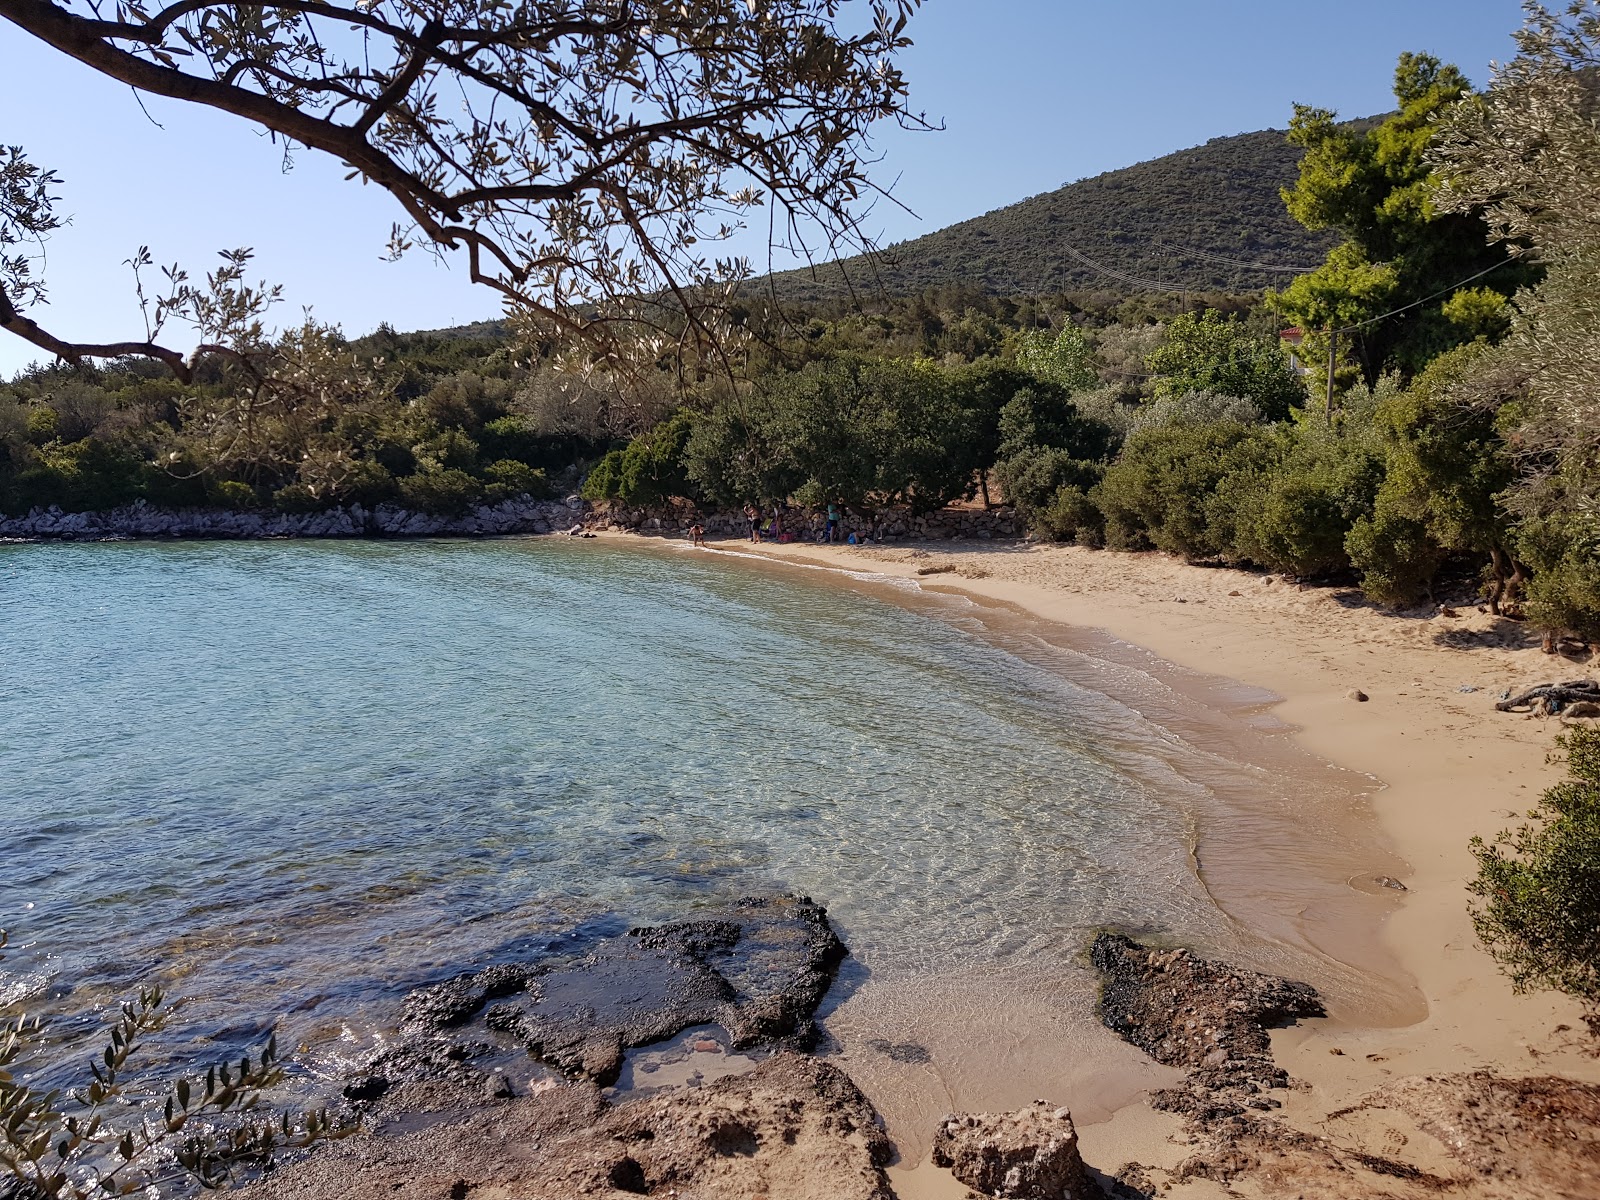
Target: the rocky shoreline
pixel 448 1112
pixel 137 521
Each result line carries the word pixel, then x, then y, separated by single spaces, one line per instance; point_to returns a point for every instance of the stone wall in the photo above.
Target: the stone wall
pixel 140 520
pixel 889 524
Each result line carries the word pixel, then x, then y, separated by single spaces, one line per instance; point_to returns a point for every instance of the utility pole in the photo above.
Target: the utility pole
pixel 1333 354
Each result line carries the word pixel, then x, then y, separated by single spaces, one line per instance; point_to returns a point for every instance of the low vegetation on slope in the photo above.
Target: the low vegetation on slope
pixel 1198 220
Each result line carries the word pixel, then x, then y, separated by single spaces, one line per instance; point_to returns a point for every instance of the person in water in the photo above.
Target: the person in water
pixel 698 532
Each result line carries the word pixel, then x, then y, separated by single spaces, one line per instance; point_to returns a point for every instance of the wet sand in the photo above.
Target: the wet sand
pixel 1440 765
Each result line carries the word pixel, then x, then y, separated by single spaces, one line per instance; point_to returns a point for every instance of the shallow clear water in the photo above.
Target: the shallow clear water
pixel 295 780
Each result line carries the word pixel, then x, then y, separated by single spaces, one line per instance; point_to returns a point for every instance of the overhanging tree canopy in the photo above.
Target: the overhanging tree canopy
pixel 581 153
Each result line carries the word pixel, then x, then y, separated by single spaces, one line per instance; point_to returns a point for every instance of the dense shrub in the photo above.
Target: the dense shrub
pixel 230 493
pixel 1296 516
pixel 446 493
pixel 1564 553
pixel 1539 888
pixel 1071 516
pixel 79 476
pixel 1164 489
pixel 509 478
pixel 1207 353
pixel 649 471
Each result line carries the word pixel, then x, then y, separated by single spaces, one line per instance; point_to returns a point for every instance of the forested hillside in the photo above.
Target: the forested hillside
pixel 1191 221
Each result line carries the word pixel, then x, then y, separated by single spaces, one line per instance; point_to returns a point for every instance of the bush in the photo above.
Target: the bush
pixel 1208 353
pixel 1565 591
pixel 1166 489
pixel 298 498
pixel 230 493
pixel 84 476
pixel 1539 887
pixel 1297 516
pixel 649 471
pixel 508 479
pixel 1071 516
pixel 448 493
pixel 1396 557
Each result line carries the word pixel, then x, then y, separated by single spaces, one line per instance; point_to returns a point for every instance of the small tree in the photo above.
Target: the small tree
pixel 1539 887
pixel 1210 354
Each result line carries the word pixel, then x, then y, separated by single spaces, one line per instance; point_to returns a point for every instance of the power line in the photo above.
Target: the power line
pixel 1509 259
pixel 1275 268
pixel 1111 272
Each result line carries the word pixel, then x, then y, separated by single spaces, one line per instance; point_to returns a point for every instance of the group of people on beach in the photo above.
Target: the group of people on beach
pixel 772 529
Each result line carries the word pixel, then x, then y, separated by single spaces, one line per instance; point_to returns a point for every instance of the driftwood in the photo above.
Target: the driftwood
pixel 1551 697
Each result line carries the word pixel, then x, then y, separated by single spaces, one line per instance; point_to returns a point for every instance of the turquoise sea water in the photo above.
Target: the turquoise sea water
pixel 294 780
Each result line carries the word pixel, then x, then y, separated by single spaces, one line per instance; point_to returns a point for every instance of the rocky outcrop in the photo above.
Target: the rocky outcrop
pixel 792 1129
pixel 140 520
pixel 1187 1011
pixel 759 969
pixel 1031 1154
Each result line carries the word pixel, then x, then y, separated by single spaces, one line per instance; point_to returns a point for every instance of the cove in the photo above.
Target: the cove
pixel 292 781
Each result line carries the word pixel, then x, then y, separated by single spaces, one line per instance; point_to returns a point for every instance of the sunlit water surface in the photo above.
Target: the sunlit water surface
pixel 292 781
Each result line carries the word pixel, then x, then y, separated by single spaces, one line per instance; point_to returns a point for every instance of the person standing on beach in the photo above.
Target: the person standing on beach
pixel 833 523
pixel 698 532
pixel 752 516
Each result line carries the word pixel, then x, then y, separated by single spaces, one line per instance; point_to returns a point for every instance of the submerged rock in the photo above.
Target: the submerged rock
pixel 759 970
pixel 1031 1154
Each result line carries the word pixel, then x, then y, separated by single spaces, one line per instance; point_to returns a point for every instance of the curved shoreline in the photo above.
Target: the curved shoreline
pixel 1449 765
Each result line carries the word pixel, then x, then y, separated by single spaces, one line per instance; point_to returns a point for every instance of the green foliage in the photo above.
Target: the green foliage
pixel 650 471
pixel 230 493
pixel 509 478
pixel 446 492
pixel 1445 468
pixel 1206 353
pixel 1375 186
pixel 1066 360
pixel 1564 552
pixel 1392 550
pixel 1166 488
pixel 1538 889
pixel 1525 154
pixel 855 431
pixel 99 1141
pixel 80 476
pixel 1071 516
pixel 1296 516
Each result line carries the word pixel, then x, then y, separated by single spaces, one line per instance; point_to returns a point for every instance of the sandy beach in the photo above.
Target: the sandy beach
pixel 1450 766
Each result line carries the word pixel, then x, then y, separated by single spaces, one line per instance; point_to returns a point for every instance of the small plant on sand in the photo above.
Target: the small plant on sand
pixel 104 1140
pixel 1538 888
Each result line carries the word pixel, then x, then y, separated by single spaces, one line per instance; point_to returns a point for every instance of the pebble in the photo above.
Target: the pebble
pixel 1357 695
pixel 707 1046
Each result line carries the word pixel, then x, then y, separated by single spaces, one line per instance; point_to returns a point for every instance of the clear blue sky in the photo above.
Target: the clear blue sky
pixel 1034 93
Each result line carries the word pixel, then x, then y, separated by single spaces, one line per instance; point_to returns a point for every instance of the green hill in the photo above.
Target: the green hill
pixel 1197 220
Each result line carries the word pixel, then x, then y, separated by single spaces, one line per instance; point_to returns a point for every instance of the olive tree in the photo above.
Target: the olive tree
pixel 587 157
pixel 1527 154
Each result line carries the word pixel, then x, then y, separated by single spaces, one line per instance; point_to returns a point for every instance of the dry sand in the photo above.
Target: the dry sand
pixel 1451 764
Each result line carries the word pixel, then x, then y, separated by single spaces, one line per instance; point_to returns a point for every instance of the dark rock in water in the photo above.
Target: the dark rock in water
pixel 759 970
pixel 366 1089
pixel 901 1052
pixel 1187 1011
pixel 1027 1155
